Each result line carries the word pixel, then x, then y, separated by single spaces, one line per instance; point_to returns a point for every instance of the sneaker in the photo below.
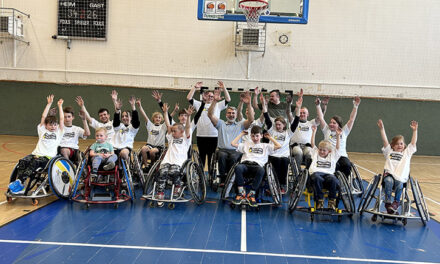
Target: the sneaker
pixel 332 204
pixel 16 187
pixel 109 166
pixel 216 181
pixel 251 199
pixel 159 195
pixel 389 207
pixel 240 198
pixel 319 204
pixel 177 191
pixel 395 205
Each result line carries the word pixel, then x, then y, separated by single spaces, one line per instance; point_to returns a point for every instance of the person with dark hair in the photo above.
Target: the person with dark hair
pixel 255 156
pixel 329 130
pixel 104 119
pixel 275 107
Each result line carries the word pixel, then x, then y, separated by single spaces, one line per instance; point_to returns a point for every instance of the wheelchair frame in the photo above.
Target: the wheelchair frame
pixel 58 174
pixel 375 187
pixel 344 195
pixel 195 185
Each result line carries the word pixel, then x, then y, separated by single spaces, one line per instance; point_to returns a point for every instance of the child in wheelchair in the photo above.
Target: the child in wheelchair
pixel 101 152
pixel 322 169
pixel 255 156
pixel 397 165
pixel 49 137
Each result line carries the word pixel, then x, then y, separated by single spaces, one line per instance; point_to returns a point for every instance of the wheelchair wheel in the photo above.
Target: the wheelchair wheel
pixel 151 176
pixel 420 201
pixel 229 183
pixel 196 182
pixel 298 190
pixel 137 169
pixel 292 174
pixel 79 172
pixel 345 193
pixel 61 174
pixel 368 195
pixel 128 179
pixel 274 186
pixel 212 172
pixel 356 181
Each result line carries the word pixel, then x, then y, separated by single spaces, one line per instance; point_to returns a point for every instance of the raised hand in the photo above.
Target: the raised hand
pixel 176 107
pixel 132 100
pixel 50 99
pixel 198 85
pixel 53 111
pixel 221 85
pixel 60 102
pixel 114 95
pixel 138 101
pixel 257 91
pixel 314 127
pixel 190 110
pixel 165 107
pixel 300 93
pixel 246 97
pixel 380 124
pixel 289 99
pixel 414 125
pixel 356 101
pixel 317 101
pixel 325 100
pixel 157 95
pixel 218 95
pixel 299 102
pixel 79 101
pixel 118 104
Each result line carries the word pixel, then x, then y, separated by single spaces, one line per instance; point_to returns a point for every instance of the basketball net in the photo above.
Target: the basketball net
pixel 252 10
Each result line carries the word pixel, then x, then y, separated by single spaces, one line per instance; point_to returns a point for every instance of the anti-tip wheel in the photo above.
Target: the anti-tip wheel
pixel 34 202
pixel 374 218
pixel 171 206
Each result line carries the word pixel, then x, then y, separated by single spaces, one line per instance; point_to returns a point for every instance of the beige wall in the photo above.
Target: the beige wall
pixel 371 48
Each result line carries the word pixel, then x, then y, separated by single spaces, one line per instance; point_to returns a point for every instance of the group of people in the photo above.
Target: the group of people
pixel 273 137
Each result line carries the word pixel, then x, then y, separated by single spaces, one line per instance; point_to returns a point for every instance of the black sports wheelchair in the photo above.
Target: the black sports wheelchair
pixel 193 188
pixel 303 185
pixel 57 175
pixel 269 192
pixel 375 193
pixel 113 186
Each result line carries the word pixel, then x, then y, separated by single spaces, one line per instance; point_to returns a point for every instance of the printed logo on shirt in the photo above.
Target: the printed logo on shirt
pixel 396 156
pixel 50 136
pixel 69 135
pixel 102 150
pixel 109 127
pixel 177 140
pixel 280 138
pixel 154 132
pixel 323 164
pixel 304 128
pixel 124 130
pixel 333 136
pixel 256 150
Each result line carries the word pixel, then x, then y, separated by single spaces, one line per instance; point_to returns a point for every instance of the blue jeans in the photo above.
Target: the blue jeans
pixel 247 169
pixel 97 160
pixel 321 180
pixel 391 184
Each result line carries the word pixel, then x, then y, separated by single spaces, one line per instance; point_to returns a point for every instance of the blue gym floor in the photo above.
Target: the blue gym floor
pixel 66 232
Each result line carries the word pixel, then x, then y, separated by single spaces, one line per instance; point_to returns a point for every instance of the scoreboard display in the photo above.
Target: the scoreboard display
pixel 85 19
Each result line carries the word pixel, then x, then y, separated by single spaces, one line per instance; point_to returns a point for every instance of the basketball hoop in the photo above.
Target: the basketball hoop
pixel 253 9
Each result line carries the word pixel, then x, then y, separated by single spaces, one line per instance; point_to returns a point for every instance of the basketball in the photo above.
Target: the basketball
pixel 210 5
pixel 221 6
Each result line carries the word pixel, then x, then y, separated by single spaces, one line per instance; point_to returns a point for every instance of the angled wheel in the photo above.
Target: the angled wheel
pixel 419 201
pixel 229 183
pixel 356 181
pixel 196 182
pixel 137 169
pixel 79 172
pixel 151 176
pixel 368 195
pixel 212 171
pixel 292 174
pixel 274 186
pixel 298 190
pixel 61 174
pixel 128 179
pixel 345 194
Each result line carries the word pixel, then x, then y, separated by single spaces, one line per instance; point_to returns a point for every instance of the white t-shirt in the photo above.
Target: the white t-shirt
pixel 283 138
pixel 71 136
pixel 48 142
pixel 255 152
pixel 398 163
pixel 205 126
pixel 156 134
pixel 256 122
pixel 331 136
pixel 326 165
pixel 124 136
pixel 108 126
pixel 303 133
pixel 177 152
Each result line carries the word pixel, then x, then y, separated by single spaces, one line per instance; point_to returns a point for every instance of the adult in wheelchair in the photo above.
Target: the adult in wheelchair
pixel 171 183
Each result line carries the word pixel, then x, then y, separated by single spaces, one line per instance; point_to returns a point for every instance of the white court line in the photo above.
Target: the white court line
pixel 427 198
pixel 243 246
pixel 211 251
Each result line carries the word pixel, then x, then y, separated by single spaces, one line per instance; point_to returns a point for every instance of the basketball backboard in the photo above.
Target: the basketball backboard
pixel 280 11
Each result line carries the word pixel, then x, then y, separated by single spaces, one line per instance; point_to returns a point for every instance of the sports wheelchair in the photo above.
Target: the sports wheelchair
pixel 109 187
pixel 269 188
pixel 213 172
pixel 304 185
pixel 58 175
pixel 375 190
pixel 194 183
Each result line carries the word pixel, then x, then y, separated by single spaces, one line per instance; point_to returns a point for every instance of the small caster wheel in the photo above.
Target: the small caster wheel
pixel 87 205
pixel 374 218
pixel 151 204
pixel 116 205
pixel 160 204
pixel 9 199
pixel 232 205
pixel 34 202
pixel 404 221
pixel 123 192
pixel 171 206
